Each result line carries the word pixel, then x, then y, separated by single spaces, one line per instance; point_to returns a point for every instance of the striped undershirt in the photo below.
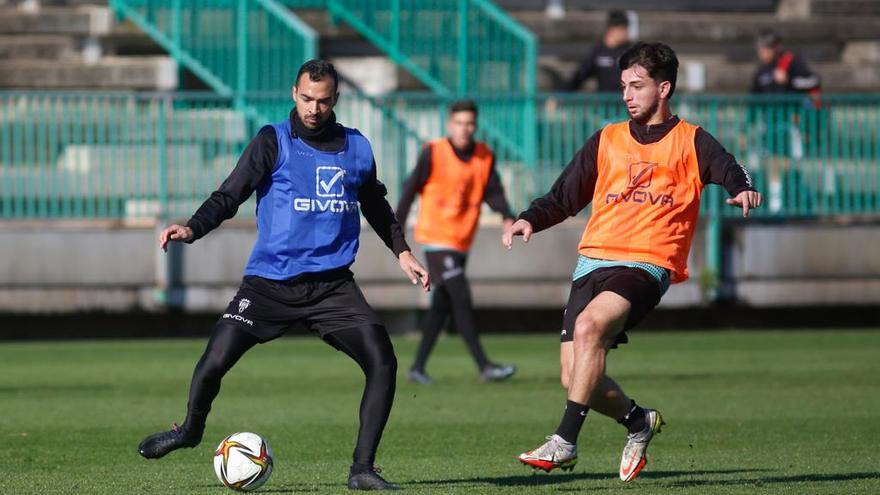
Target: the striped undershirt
pixel 586 265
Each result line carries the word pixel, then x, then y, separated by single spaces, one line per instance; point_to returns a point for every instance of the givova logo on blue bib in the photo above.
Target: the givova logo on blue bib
pixel 329 182
pixel 329 185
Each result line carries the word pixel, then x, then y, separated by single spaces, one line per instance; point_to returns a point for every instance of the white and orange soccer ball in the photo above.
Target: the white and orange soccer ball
pixel 243 461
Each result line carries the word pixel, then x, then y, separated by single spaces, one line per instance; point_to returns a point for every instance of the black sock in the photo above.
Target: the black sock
pixel 572 421
pixel 634 420
pixel 360 468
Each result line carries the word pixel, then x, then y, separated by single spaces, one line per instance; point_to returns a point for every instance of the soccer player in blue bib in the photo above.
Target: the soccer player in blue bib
pixel 312 177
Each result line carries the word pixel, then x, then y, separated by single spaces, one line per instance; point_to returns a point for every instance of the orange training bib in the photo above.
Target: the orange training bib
pixel 452 196
pixel 646 200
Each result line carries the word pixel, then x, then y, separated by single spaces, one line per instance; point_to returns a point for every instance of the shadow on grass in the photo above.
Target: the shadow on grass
pixel 543 479
pixel 270 489
pixel 767 480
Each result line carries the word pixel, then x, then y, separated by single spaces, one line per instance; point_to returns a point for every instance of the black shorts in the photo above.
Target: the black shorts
pixel 635 285
pixel 323 303
pixel 445 264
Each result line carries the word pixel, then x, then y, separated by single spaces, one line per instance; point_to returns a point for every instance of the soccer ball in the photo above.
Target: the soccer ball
pixel 243 461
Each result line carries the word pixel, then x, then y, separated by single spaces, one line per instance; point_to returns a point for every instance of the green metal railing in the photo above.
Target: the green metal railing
pixel 234 46
pixel 86 155
pixel 125 155
pixel 457 48
pixel 489 52
pixel 451 46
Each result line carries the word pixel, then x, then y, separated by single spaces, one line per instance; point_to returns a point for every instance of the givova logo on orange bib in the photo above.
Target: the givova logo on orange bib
pixel 641 174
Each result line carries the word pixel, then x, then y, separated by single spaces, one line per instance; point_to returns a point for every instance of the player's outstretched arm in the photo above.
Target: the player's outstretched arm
pixel 177 233
pixel 746 200
pixel 414 270
pixel 254 166
pixel 520 227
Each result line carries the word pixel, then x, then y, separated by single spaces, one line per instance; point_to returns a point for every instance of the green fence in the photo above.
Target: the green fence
pixel 234 46
pixel 127 156
pixel 124 155
pixel 452 46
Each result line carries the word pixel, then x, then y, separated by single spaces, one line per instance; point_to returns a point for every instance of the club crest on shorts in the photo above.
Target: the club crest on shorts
pixel 243 304
pixel 448 262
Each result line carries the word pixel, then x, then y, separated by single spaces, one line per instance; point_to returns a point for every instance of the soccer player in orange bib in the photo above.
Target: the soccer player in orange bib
pixel 644 178
pixel 454 175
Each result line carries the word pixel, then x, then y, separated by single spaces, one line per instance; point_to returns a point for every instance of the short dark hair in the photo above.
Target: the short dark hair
pixel 768 37
pixel 617 18
pixel 463 106
pixel 657 58
pixel 317 70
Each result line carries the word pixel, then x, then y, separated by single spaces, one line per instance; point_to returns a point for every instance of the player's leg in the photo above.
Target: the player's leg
pixel 459 290
pixel 227 344
pixel 593 331
pixel 370 347
pixel 641 423
pixel 607 399
pixel 435 320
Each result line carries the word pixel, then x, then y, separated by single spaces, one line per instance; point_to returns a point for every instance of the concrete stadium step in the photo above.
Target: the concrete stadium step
pixel 129 170
pixel 680 5
pixel 126 39
pixel 837 77
pixel 62 3
pixel 724 76
pixel 339 40
pixel 82 21
pixel 845 7
pixel 36 46
pixel 131 120
pixel 702 27
pixel 813 51
pixel 149 73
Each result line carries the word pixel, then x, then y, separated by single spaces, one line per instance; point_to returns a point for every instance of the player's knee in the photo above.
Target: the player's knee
pixel 440 302
pixel 212 367
pixel 588 332
pixel 384 367
pixel 386 371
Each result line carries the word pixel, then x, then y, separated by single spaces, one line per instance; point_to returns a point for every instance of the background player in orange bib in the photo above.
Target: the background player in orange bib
pixel 644 178
pixel 454 176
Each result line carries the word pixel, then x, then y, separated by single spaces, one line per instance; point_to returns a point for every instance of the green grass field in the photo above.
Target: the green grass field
pixel 747 412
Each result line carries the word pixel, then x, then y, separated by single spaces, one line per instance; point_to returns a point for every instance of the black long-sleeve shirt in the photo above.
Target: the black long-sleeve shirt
pixel 800 77
pixel 493 195
pixel 601 63
pixel 255 167
pixel 574 188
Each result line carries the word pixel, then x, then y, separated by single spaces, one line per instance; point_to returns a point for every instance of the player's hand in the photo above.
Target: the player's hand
pixel 414 270
pixel 174 232
pixel 746 200
pixel 780 76
pixel 520 227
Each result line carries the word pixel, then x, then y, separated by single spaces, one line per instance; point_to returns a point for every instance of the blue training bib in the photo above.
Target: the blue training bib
pixel 307 214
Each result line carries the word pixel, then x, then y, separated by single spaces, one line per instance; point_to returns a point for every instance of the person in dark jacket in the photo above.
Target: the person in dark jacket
pixel 601 61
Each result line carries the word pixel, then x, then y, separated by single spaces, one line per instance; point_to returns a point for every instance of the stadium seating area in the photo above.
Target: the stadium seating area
pixel 79 44
pixel 137 154
pixel 76 44
pixel 837 38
